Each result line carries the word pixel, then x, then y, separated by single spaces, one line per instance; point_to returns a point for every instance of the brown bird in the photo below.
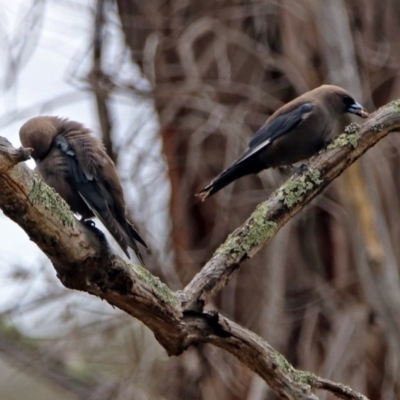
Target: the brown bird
pixel 74 162
pixel 294 132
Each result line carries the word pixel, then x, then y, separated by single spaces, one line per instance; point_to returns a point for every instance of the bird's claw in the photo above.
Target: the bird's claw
pixel 89 223
pixel 301 169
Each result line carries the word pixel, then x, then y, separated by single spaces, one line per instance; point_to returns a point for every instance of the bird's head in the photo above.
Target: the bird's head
pixel 352 107
pixel 341 101
pixel 38 134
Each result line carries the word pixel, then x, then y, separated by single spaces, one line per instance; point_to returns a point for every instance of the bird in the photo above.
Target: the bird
pixel 293 133
pixel 71 160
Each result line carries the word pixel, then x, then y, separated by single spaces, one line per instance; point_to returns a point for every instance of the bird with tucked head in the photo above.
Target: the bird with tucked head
pixel 293 133
pixel 74 162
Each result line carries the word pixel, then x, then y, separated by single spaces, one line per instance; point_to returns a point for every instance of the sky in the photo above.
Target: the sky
pixel 41 78
pixel 48 47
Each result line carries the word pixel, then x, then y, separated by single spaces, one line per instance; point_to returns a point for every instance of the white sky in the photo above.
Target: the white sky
pixel 40 79
pixel 60 47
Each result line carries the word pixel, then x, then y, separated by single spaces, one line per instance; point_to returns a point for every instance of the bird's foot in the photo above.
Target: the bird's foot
pixel 300 169
pixel 88 222
pixel 204 193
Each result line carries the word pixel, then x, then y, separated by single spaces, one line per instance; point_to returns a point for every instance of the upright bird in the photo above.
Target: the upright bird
pixel 74 162
pixel 294 132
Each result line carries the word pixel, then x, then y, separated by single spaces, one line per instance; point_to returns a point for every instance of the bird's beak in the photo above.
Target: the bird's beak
pixel 358 109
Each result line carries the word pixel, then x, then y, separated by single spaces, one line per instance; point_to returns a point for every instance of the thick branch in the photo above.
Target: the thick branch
pixel 286 202
pixel 80 254
pixel 84 262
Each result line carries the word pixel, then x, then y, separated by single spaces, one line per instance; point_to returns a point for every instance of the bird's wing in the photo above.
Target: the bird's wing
pixel 277 128
pixel 92 190
pixel 113 185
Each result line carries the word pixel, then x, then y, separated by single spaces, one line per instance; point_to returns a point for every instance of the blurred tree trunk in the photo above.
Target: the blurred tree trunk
pixel 217 70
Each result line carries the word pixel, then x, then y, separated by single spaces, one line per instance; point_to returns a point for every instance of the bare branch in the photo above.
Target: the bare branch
pixel 100 82
pixel 340 391
pixel 12 156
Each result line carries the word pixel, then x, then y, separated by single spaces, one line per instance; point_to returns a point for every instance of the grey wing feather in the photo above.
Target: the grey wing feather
pixel 279 127
pixel 79 174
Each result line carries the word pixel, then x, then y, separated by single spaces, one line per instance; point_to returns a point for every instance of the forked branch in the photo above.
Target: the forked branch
pixel 83 260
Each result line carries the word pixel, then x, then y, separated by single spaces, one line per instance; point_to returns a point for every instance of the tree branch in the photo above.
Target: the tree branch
pixel 83 260
pixel 100 83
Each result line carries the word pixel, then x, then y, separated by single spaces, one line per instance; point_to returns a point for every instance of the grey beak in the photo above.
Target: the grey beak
pixel 358 109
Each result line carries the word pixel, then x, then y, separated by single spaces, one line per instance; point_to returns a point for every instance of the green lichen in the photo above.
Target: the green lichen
pixel 257 231
pixel 294 190
pixel 301 377
pixel 353 139
pixel 395 105
pixel 352 128
pixel 344 140
pixel 305 377
pixel 161 290
pixel 46 196
pixel 315 176
pixel 349 137
pixel 282 363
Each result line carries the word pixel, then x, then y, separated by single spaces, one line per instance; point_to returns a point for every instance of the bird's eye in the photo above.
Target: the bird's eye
pixel 347 100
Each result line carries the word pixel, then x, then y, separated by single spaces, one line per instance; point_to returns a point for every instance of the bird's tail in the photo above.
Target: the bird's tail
pixel 234 172
pixel 133 245
pixel 131 236
pixel 122 231
pixel 119 227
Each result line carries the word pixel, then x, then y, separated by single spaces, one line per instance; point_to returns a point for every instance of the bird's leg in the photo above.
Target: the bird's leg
pixel 88 222
pixel 327 143
pixel 99 234
pixel 92 226
pixel 300 169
